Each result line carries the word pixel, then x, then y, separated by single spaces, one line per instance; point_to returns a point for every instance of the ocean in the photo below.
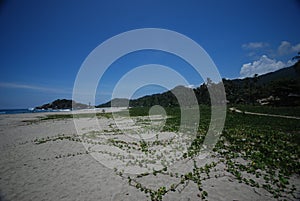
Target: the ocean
pixel 30 110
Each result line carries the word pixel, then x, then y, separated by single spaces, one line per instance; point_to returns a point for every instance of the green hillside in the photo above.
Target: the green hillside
pixel 279 88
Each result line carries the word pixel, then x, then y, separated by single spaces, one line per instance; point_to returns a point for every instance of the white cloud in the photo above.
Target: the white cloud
pixel 258 48
pixel 263 65
pixel 287 48
pixel 191 86
pixel 254 45
pixel 31 87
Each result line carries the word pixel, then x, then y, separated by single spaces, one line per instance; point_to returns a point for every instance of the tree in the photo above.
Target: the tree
pixel 253 88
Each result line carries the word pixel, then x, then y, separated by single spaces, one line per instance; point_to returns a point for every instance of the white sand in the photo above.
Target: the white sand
pixel 61 169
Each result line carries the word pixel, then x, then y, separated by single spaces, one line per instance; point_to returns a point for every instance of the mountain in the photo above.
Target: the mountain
pixel 166 99
pixel 62 104
pixel 116 102
pixel 283 85
pixel 292 72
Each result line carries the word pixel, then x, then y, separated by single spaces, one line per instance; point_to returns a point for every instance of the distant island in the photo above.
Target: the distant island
pixel 279 88
pixel 62 104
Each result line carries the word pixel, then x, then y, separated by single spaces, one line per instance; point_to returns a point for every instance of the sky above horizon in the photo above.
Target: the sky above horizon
pixel 44 43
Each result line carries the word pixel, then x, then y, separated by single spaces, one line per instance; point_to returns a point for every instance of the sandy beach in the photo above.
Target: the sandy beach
pixel 55 160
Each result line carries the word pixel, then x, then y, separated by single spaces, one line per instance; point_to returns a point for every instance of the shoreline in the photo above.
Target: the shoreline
pixel 60 111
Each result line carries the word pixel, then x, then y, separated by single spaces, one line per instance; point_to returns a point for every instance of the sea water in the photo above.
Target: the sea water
pixel 29 110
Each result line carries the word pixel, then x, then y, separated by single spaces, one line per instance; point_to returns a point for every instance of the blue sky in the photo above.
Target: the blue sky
pixel 44 43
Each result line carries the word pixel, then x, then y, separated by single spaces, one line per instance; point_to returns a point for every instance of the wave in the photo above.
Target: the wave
pixel 30 110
